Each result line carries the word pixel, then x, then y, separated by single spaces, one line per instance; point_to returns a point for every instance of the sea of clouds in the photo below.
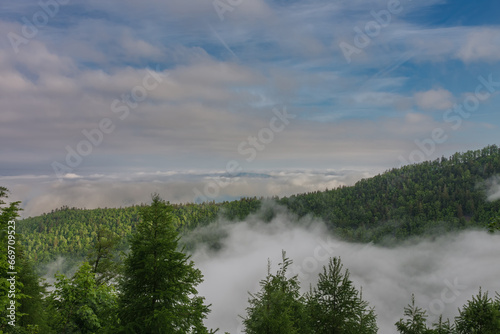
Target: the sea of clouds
pixel 443 273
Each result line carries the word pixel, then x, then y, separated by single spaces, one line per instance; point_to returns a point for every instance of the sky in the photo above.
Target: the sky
pixel 103 102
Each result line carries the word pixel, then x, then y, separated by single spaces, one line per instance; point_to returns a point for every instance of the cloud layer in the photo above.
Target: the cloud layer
pixel 41 194
pixel 443 273
pixel 222 77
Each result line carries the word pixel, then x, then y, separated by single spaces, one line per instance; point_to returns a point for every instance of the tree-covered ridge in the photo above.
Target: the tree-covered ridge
pixel 410 200
pixel 153 290
pixel 72 232
pixel 444 194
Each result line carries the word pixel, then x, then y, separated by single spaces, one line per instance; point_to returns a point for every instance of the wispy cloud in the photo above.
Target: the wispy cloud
pixel 360 115
pixel 434 99
pixel 493 188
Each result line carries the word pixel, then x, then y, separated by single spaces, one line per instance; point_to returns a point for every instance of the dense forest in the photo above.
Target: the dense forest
pixel 134 274
pixel 446 194
pixel 153 290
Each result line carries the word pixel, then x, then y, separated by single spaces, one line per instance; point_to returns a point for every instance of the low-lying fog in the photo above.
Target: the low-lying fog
pixel 443 273
pixel 41 194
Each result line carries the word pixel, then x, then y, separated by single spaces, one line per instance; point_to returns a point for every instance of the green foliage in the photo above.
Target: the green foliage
pixel 34 289
pixel 443 327
pixel 28 293
pixel 157 289
pixel 278 308
pixel 102 258
pixel 335 306
pixel 494 224
pixel 432 197
pixel 479 315
pixel 419 199
pixel 415 322
pixel 79 304
pixel 71 232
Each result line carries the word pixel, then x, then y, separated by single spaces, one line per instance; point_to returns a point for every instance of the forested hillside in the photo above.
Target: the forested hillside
pixel 445 194
pixel 71 231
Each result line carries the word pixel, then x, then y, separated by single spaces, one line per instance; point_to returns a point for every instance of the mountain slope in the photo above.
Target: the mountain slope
pixel 442 195
pixel 450 192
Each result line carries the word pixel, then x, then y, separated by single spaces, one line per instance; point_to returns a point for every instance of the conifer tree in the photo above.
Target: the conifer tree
pixel 24 291
pixel 479 315
pixel 102 257
pixel 443 327
pixel 336 306
pixel 415 322
pixel 158 288
pixel 278 308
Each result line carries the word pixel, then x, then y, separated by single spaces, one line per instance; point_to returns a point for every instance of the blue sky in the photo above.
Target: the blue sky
pixel 215 76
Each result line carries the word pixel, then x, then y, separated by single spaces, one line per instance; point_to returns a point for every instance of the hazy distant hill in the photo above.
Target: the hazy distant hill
pixel 442 195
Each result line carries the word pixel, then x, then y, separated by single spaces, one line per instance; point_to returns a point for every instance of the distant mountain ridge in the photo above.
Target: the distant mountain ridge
pixel 446 194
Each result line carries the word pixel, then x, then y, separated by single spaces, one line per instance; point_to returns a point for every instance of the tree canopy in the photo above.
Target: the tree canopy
pixel 158 286
pixel 447 194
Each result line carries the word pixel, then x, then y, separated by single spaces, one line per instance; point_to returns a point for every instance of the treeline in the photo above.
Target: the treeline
pixel 21 291
pixel 441 195
pixel 334 305
pixel 152 289
pixel 446 194
pixel 70 232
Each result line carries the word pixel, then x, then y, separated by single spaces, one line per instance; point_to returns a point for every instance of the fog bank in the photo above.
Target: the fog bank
pixel 41 194
pixel 493 188
pixel 443 273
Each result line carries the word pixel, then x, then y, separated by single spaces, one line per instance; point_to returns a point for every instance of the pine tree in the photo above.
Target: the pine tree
pixel 102 257
pixel 415 322
pixel 278 308
pixel 443 327
pixel 479 315
pixel 335 306
pixel 27 293
pixel 157 290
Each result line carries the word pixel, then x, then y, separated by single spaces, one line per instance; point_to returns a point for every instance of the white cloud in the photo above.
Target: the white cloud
pixel 140 48
pixel 388 276
pixel 434 99
pixel 493 188
pixel 481 45
pixel 42 194
pixel 65 80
